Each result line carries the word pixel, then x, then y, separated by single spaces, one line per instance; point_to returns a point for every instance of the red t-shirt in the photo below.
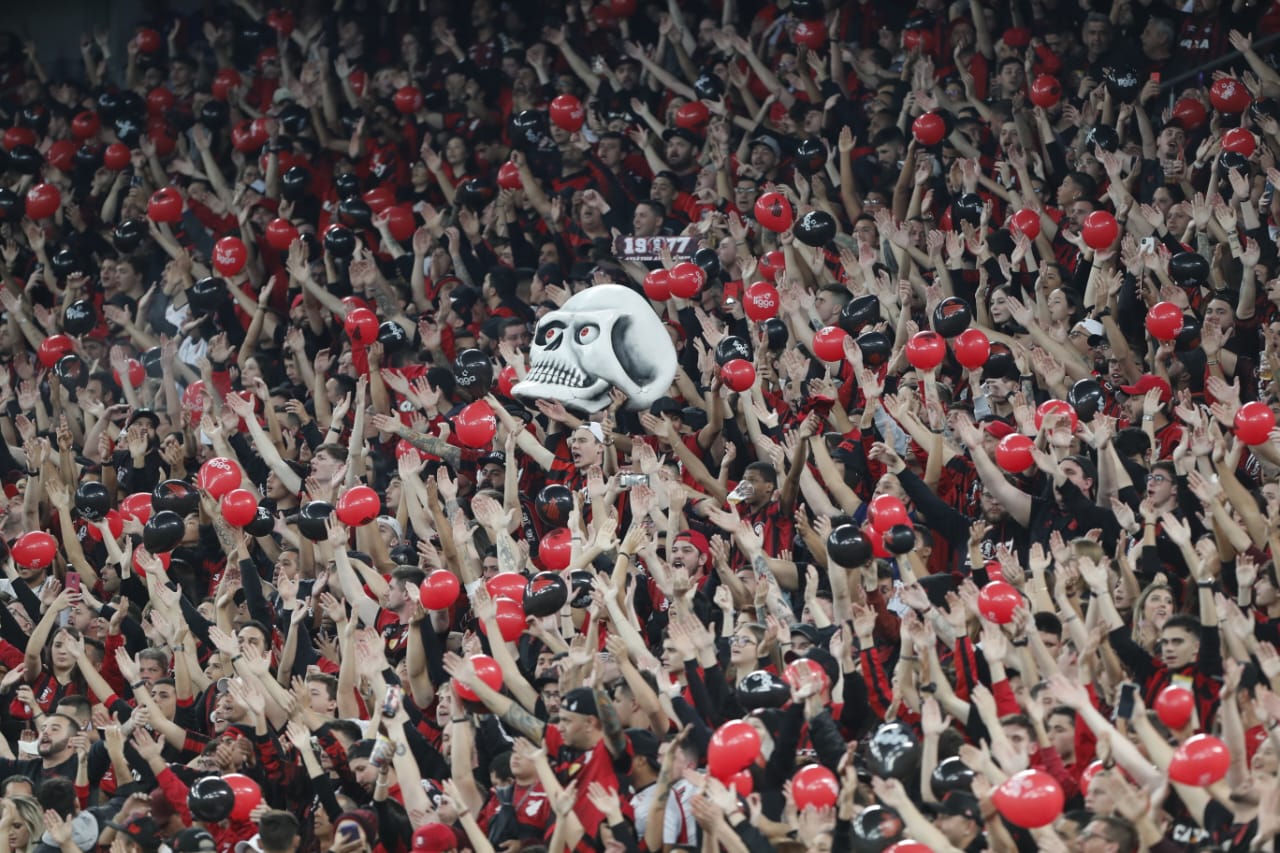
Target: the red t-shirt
pixel 585 766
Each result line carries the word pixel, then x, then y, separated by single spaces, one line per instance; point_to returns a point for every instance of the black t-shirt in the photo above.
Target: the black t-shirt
pixel 1228 835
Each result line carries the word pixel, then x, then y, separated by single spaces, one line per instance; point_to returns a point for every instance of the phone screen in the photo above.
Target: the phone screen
pixel 73 581
pixel 1124 708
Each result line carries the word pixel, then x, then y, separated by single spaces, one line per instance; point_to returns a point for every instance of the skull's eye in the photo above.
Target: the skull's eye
pixel 588 333
pixel 550 335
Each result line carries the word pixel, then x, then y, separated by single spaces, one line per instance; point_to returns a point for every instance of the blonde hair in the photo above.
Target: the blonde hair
pixel 31 814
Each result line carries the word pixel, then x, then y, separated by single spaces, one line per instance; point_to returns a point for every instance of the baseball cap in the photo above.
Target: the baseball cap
pixel 644 743
pixel 139 414
pixel 194 841
pixel 665 406
pixel 393 523
pixel 768 142
pixel 253 845
pixel 695 539
pixel 1094 330
pixel 493 457
pixel 960 804
pixel 1147 382
pixel 580 700
pixel 997 429
pixel 140 829
pixel 681 133
pixel 809 632
pixel 433 838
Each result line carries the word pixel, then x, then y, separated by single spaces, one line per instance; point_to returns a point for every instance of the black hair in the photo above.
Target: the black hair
pixel 59 795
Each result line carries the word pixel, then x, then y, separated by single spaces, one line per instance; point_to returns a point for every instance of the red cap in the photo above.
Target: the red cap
pixel 1149 383
pixel 1017 37
pixel 433 838
pixel 697 540
pixel 998 429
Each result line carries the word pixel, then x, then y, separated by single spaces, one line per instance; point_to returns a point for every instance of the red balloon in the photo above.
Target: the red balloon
pixel 229 255
pixel 1099 230
pixel 1030 799
pixel 165 203
pixel 739 374
pixel 359 80
pixel 998 600
pixel 380 198
pixel 137 374
pixel 773 263
pixel 828 343
pixel 794 673
pixel 885 512
pixel 909 847
pixel 116 156
pixel 687 279
pixel 814 786
pixel 741 782
pixel 114 523
pixel 219 475
pixel 735 746
pixel 1086 777
pixel 1027 221
pixel 439 590
pixel 922 39
pixel 239 507
pixel 361 325
pixel 1056 407
pixel 1254 423
pixel 1239 140
pixel 1229 95
pixel 85 125
pixel 1013 453
pixel 810 34
pixel 358 506
pixel 61 155
pixel 657 285
pixel 972 348
pixel 53 348
pixel 509 177
pixel 280 234
pixel 15 136
pixel 281 20
pixel 693 116
pixel 352 303
pixel 224 81
pixel 877 542
pixel 487 670
pixel 567 113
pixel 1200 761
pixel 137 506
pixel 1174 706
pixel 510 618
pixel 34 550
pixel 1164 321
pixel 159 100
pixel 507 378
pixel 43 201
pixel 774 212
pixel 1045 91
pixel 1190 113
pixel 247 793
pixel 623 8
pixel 556 549
pixel 408 99
pixel 164 557
pixel 475 425
pixel 929 129
pixel 148 40
pixel 603 15
pixel 507 584
pixel 760 301
pixel 193 396
pixel 400 222
pixel 926 350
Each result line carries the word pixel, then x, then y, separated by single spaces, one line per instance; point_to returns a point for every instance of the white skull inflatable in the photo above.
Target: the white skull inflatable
pixel 604 337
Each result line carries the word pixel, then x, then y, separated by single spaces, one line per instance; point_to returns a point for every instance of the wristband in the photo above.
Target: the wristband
pixel 236 657
pixel 135 685
pixel 1021 643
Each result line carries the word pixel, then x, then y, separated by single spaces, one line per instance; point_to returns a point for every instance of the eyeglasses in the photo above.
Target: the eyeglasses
pixel 739 641
pixel 1157 478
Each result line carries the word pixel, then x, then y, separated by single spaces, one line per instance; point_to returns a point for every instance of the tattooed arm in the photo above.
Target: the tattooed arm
pixel 502 707
pixel 615 738
pixel 431 444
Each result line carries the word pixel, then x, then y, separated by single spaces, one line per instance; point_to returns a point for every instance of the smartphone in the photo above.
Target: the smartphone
pixel 1155 76
pixel 350 832
pixel 630 479
pixel 1148 244
pixel 1124 708
pixel 73 582
pixel 391 704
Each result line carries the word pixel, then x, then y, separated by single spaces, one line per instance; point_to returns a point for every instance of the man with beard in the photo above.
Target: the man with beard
pixel 55 750
pixel 681 152
pixel 1147 404
pixel 138 463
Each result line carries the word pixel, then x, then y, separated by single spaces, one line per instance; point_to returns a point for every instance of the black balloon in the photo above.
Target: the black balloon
pixel 347 184
pixel 848 547
pixel 811 156
pixel 875 829
pixel 732 347
pixel 1104 137
pixel 206 294
pixel 312 518
pixel 860 312
pixel 211 799
pixel 79 318
pixel 762 689
pixel 528 129
pixel 894 752
pixel 475 193
pixel 264 521
pixel 92 500
pixel 816 228
pixel 355 212
pixel 709 260
pixel 108 106
pixel 951 774
pixel 89 157
pixel 12 208
pixel 1231 160
pixel 129 235
pixel 777 334
pixel 554 503
pixel 545 594
pixel 25 159
pixel 581 583
pixel 899 539
pixel 876 348
pixel 163 531
pixel 175 496
pixel 294 183
pixel 473 371
pixel 951 316
pixel 709 86
pixel 153 362
pixel 133 105
pixel 392 336
pixel 294 119
pixel 1088 398
pixel 1188 269
pixel 215 115
pixel 339 241
pixel 967 207
pixel 1188 339
pixel 1122 81
pixel 71 371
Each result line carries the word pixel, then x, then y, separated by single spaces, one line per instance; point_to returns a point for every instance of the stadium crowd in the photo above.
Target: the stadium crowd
pixel 954 529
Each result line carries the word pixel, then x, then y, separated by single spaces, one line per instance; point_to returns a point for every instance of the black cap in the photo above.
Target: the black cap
pixel 960 804
pixel 139 414
pixel 644 743
pixel 665 406
pixel 809 632
pixel 194 841
pixel 683 133
pixel 495 457
pixel 140 829
pixel 580 700
pixel 551 274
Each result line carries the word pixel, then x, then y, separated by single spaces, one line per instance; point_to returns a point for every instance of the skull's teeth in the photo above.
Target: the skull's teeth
pixel 556 375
